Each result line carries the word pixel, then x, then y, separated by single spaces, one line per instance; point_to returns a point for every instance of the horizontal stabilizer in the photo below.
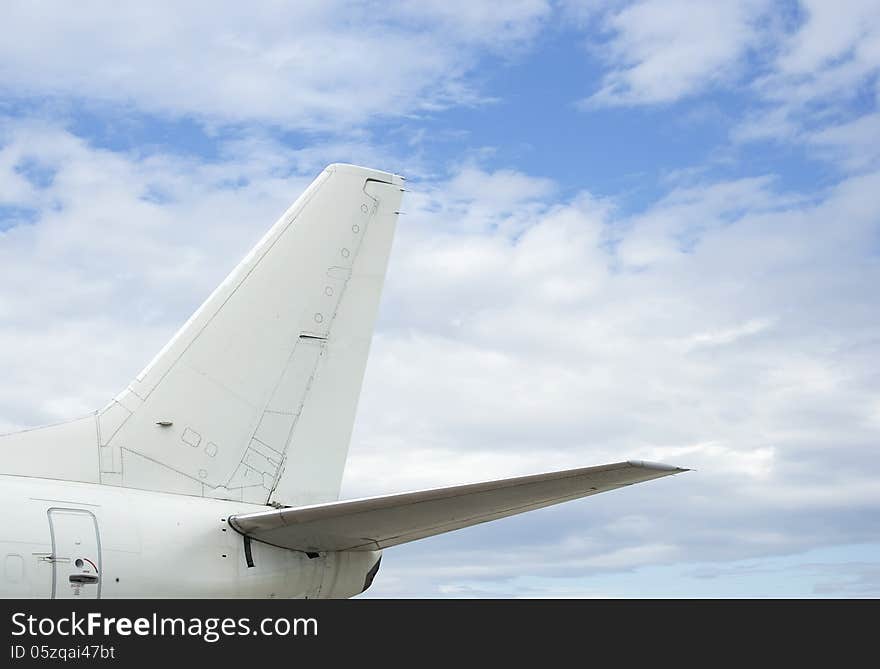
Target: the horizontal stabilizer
pixel 379 522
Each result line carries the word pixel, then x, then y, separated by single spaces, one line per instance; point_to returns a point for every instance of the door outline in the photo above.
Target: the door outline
pixel 54 556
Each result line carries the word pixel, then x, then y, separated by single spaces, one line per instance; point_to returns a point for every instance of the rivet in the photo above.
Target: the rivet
pixel 319 318
pixel 345 253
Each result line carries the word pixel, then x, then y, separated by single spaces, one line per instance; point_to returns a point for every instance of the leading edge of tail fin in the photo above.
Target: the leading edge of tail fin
pixel 254 398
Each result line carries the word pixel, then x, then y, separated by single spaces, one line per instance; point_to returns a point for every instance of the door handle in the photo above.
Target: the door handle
pixel 83 578
pixel 48 557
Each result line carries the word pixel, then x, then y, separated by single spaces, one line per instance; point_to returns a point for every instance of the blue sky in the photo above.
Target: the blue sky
pixel 635 229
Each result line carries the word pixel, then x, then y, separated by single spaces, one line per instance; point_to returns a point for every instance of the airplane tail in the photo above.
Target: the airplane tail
pixel 254 398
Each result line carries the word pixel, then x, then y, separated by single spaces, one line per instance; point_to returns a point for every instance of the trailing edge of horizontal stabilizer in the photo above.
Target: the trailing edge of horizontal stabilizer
pixel 380 522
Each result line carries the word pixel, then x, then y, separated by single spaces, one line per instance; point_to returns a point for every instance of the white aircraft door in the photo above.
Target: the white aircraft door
pixel 76 554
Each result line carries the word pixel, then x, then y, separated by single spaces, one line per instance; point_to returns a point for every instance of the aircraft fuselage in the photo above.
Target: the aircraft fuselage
pixel 64 539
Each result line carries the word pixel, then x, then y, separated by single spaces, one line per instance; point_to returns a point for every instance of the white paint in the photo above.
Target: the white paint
pixel 154 545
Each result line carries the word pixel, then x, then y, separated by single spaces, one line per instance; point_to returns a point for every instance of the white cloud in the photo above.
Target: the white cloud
pixel 834 38
pixel 821 85
pixel 855 145
pixel 306 64
pixel 805 74
pixel 663 50
pixel 728 335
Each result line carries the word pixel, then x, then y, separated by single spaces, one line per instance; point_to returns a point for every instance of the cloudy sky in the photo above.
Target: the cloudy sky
pixel 635 230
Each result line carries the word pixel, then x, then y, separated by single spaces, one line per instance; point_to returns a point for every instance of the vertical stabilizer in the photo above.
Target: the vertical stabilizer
pixel 254 398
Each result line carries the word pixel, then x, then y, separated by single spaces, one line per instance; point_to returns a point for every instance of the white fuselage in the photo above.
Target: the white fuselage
pixel 64 539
